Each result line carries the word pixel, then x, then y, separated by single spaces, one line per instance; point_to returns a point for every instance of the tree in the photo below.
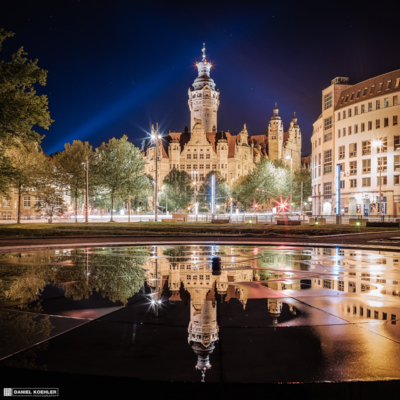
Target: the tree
pixel 51 202
pixel 266 183
pixel 119 167
pixel 178 188
pixel 222 189
pixel 28 165
pixel 302 175
pixel 21 108
pixel 6 171
pixel 72 173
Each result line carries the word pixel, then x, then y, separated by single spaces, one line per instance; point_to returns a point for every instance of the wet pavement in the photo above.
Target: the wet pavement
pixel 275 314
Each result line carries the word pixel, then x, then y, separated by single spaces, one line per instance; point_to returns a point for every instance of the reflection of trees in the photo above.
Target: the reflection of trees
pixel 117 274
pixel 21 330
pixel 176 254
pixel 113 276
pixel 269 261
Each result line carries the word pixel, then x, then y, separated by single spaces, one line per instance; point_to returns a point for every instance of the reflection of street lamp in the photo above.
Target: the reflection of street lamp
pixel 155 137
pixel 378 143
pixel 291 167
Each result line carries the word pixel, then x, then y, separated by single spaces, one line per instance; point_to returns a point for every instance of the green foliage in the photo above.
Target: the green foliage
pixel 6 172
pixel 222 190
pixel 302 175
pixel 71 169
pixel 119 168
pixel 29 170
pixel 21 108
pixel 272 179
pixel 51 202
pixel 178 188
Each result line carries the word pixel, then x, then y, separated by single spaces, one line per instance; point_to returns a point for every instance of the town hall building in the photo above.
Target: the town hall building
pixel 204 148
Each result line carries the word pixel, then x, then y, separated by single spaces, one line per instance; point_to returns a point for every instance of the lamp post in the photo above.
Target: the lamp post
pixel 378 143
pixel 86 166
pixel 194 173
pixel 232 179
pixel 155 137
pixel 291 169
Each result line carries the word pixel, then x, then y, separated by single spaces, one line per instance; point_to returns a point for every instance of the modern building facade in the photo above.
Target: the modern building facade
pixel 204 148
pixel 359 130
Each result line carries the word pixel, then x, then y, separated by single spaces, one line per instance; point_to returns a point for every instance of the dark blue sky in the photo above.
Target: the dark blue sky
pixel 115 67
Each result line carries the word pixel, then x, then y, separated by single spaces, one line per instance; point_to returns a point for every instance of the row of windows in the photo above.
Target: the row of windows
pixel 198 166
pixel 349 130
pixel 366 165
pixel 362 107
pixel 363 92
pixel 366 182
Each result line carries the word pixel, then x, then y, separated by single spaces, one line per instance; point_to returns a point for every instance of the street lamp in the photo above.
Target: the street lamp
pixel 195 173
pixel 232 179
pixel 378 143
pixel 86 164
pixel 155 138
pixel 291 168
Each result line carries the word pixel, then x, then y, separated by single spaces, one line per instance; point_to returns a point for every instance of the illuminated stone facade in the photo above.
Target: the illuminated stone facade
pixel 204 148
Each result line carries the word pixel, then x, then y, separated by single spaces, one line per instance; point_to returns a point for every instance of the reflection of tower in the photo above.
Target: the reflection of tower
pixel 275 309
pixel 203 332
pixel 292 309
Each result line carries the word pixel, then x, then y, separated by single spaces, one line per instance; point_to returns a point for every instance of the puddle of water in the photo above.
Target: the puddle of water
pixel 149 303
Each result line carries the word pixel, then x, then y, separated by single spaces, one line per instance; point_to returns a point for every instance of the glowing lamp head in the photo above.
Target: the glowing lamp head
pixel 288 157
pixel 377 143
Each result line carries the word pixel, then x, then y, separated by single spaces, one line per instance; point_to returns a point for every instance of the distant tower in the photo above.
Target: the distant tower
pixel 275 135
pixel 293 145
pixel 203 98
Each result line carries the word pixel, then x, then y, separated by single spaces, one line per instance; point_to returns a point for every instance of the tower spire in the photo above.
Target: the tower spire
pixel 204 52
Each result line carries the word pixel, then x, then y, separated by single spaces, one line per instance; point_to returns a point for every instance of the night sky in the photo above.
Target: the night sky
pixel 116 67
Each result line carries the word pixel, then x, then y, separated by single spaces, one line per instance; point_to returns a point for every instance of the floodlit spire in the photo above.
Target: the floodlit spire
pixel 204 52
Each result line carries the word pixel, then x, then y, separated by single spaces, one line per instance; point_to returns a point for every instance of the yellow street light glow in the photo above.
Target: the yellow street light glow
pixel 376 143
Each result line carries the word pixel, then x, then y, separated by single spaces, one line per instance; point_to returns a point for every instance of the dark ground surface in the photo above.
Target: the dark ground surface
pixel 378 240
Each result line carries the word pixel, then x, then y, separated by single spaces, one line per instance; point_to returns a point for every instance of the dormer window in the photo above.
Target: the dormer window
pixel 352 97
pixel 372 89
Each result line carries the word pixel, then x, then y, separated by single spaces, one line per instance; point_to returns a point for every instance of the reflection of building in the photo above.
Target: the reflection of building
pixel 204 149
pixel 353 116
pixel 360 272
pixel 203 332
pixel 274 309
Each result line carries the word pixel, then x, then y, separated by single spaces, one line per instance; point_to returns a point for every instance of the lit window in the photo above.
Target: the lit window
pixel 27 201
pixel 353 167
pixel 382 164
pixel 397 142
pixel 366 182
pixel 353 150
pixel 328 101
pixel 397 163
pixel 349 112
pixel 355 110
pixel 369 106
pixel 386 102
pixel 327 161
pixel 327 123
pixel 396 180
pixel 366 166
pixel 362 108
pixel 353 183
pixel 384 181
pixel 395 99
pixel 383 147
pixel 342 152
pixel 349 130
pixel 378 104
